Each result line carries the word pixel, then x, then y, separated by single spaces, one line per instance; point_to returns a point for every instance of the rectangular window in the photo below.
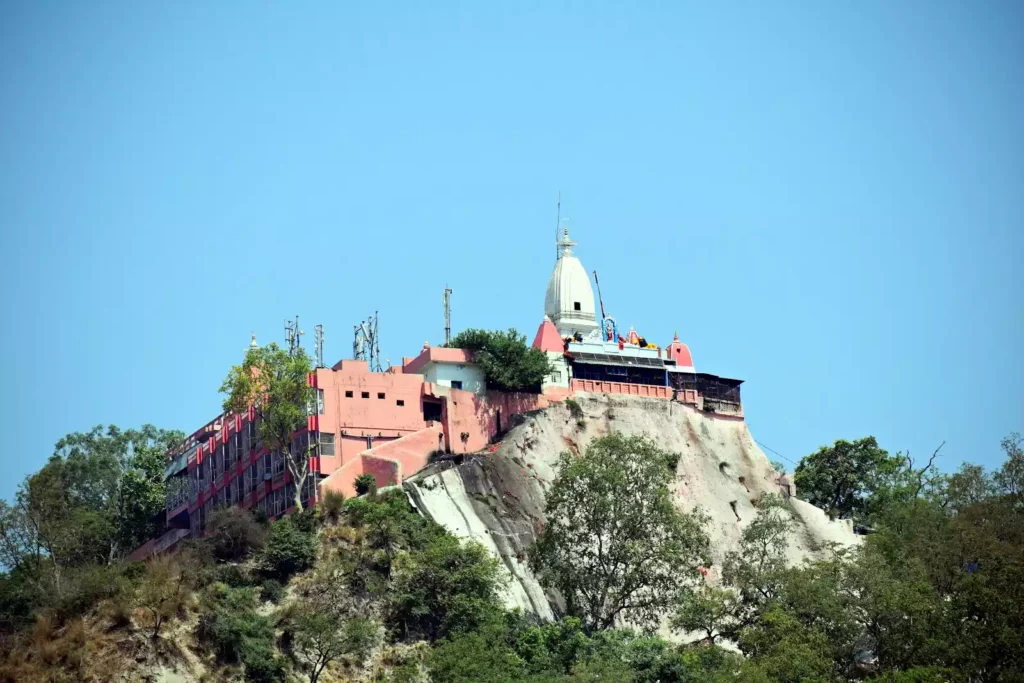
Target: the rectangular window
pixel 268 462
pixel 456 384
pixel 400 403
pixel 380 394
pixel 348 394
pixel 326 444
pixel 556 376
pixel 575 305
pixel 366 394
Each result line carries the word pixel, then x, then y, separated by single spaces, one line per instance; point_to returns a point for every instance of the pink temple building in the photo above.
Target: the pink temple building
pixel 389 424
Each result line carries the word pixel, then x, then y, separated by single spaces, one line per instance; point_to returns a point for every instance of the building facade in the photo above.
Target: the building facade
pixel 390 424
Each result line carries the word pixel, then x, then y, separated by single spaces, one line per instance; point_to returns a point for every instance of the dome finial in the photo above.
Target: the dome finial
pixel 565 244
pixel 253 344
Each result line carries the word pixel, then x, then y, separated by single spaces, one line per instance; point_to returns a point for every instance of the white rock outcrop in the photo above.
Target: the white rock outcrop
pixel 497 498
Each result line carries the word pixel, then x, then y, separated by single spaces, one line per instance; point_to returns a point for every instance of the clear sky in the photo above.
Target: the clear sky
pixel 825 199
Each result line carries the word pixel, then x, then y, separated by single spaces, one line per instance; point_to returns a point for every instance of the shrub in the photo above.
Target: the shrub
pixel 366 483
pixel 233 533
pixel 332 505
pixel 272 591
pixel 289 550
pixel 232 575
pixel 574 408
pixel 238 633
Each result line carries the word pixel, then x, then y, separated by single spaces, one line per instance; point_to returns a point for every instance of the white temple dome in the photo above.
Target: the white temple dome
pixel 570 298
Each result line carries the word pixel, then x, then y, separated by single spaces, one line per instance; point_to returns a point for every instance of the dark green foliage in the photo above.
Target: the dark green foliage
pixel 475 657
pixel 505 359
pixel 233 534
pixel 365 483
pixel 615 544
pixel 842 479
pixel 271 590
pixel 786 650
pixel 238 633
pixel 232 575
pixel 289 550
pixel 446 587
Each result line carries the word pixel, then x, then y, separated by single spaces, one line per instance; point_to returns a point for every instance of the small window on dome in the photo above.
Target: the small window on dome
pixel 576 305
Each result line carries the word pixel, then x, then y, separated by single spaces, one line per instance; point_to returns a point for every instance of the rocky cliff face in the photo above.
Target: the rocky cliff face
pixel 497 498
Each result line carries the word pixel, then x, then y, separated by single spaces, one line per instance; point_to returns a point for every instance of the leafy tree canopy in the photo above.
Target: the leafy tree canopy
pixel 273 382
pixel 615 545
pixel 842 478
pixel 506 360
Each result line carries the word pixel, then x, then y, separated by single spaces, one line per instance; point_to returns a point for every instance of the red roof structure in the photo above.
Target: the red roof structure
pixel 547 338
pixel 679 352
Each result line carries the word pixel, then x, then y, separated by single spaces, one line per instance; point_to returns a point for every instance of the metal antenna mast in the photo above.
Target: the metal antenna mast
pixel 447 315
pixel 292 335
pixel 558 224
pixel 366 345
pixel 318 342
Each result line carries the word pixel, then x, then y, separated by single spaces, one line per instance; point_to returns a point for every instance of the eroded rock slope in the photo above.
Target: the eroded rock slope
pixel 497 498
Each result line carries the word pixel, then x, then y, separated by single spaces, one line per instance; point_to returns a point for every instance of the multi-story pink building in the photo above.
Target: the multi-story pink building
pixel 389 424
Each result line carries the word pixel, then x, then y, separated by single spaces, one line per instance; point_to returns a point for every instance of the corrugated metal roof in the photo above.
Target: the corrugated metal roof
pixel 606 359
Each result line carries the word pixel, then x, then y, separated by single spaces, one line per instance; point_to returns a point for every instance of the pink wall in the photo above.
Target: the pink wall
pixel 435 354
pixel 379 416
pixel 477 416
pixel 596 387
pixel 390 463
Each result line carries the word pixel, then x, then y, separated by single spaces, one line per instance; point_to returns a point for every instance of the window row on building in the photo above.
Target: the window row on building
pixel 220 465
pixel 273 505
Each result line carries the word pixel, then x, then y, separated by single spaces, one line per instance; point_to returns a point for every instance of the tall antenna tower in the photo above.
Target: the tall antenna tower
pixel 447 315
pixel 293 335
pixel 558 224
pixel 318 342
pixel 366 345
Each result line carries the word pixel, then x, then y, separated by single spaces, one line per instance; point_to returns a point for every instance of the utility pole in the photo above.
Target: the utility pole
pixel 447 315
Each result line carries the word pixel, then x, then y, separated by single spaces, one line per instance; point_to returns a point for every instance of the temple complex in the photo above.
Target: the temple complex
pixel 391 424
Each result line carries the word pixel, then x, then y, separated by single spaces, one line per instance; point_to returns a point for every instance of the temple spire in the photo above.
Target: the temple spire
pixel 565 244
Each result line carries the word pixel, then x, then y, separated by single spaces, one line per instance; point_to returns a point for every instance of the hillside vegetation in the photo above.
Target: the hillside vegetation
pixel 367 589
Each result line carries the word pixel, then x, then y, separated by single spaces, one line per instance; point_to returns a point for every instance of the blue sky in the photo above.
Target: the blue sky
pixel 825 199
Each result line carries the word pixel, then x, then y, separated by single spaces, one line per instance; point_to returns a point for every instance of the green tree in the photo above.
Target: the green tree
pixel 757 567
pixel 99 496
pixel 841 478
pixel 615 545
pixel 446 587
pixel 782 649
pixel 274 383
pixel 167 588
pixel 709 610
pixel 1010 477
pixel 288 551
pixel 233 533
pixel 505 359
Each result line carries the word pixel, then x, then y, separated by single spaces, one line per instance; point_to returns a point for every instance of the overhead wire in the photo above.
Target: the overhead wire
pixel 765 446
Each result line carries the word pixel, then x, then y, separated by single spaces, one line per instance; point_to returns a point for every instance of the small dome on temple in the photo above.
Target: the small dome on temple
pixel 680 353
